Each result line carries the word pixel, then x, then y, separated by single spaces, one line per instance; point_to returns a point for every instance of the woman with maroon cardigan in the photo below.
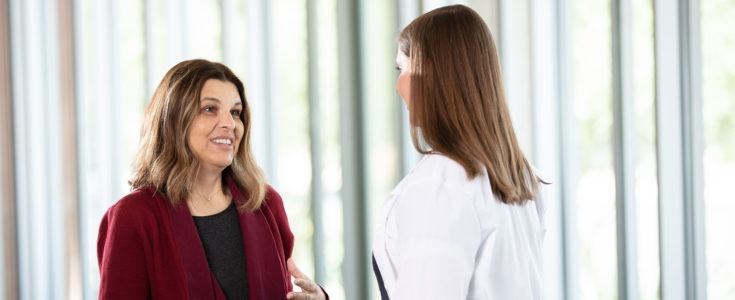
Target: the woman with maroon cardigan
pixel 201 223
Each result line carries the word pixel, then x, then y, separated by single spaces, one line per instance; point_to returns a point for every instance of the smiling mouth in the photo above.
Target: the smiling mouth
pixel 222 141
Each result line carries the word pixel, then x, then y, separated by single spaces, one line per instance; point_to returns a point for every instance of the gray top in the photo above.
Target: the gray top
pixel 222 240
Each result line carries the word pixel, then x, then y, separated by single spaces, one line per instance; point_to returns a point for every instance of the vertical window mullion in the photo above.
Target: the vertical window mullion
pixel 693 146
pixel 624 148
pixel 352 141
pixel 668 135
pixel 546 141
pixel 678 124
pixel 315 141
pixel 69 163
pixel 17 40
pixel 568 168
pixel 8 253
pixel 80 65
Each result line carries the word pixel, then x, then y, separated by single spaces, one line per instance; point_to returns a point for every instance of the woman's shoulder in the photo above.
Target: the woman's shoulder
pixel 139 203
pixel 274 203
pixel 440 168
pixel 272 197
pixel 435 196
pixel 437 176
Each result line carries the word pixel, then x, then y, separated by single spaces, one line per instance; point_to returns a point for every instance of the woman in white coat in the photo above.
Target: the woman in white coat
pixel 466 222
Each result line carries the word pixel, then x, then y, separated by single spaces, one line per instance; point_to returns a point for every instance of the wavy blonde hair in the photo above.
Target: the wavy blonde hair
pixel 458 105
pixel 165 160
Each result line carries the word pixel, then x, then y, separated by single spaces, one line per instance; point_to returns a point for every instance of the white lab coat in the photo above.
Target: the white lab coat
pixel 442 236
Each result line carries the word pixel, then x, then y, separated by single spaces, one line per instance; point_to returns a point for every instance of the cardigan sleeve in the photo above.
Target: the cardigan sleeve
pixel 279 213
pixel 276 204
pixel 121 257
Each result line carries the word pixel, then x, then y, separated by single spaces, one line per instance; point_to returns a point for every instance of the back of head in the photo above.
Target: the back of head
pixel 165 160
pixel 458 105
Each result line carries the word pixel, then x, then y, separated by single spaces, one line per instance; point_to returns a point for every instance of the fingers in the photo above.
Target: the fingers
pixel 307 285
pixel 294 270
pixel 309 289
pixel 318 295
pixel 299 296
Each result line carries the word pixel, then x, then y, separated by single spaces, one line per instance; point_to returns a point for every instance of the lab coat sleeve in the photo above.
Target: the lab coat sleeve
pixel 438 234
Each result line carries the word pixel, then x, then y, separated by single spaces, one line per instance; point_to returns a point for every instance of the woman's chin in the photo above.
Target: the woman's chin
pixel 217 165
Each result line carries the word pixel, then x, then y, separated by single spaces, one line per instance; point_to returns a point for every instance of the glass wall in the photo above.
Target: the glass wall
pixel 646 186
pixel 305 70
pixel 594 197
pixel 381 106
pixel 326 115
pixel 718 89
pixel 291 174
pixel 111 97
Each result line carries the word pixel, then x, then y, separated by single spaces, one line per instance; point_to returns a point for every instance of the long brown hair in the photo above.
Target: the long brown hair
pixel 165 161
pixel 458 105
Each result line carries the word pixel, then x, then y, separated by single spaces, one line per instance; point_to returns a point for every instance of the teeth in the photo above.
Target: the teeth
pixel 223 141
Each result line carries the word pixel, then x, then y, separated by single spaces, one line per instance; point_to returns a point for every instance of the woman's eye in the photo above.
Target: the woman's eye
pixel 209 109
pixel 235 113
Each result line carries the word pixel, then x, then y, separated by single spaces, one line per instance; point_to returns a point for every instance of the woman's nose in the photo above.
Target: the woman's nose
pixel 227 120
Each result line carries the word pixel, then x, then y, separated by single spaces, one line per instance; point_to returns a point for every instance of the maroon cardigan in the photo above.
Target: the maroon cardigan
pixel 148 248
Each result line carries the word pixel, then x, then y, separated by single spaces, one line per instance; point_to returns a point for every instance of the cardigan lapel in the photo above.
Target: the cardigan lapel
pixel 199 279
pixel 267 275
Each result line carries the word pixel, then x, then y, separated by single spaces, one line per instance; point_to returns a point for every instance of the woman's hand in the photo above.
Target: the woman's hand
pixel 309 289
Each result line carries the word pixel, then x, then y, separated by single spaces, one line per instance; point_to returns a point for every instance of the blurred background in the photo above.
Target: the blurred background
pixel 628 106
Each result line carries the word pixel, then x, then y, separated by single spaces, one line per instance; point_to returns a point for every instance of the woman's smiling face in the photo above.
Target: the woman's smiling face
pixel 216 132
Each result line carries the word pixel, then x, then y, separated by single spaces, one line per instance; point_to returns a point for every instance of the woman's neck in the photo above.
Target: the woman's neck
pixel 207 183
pixel 207 196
